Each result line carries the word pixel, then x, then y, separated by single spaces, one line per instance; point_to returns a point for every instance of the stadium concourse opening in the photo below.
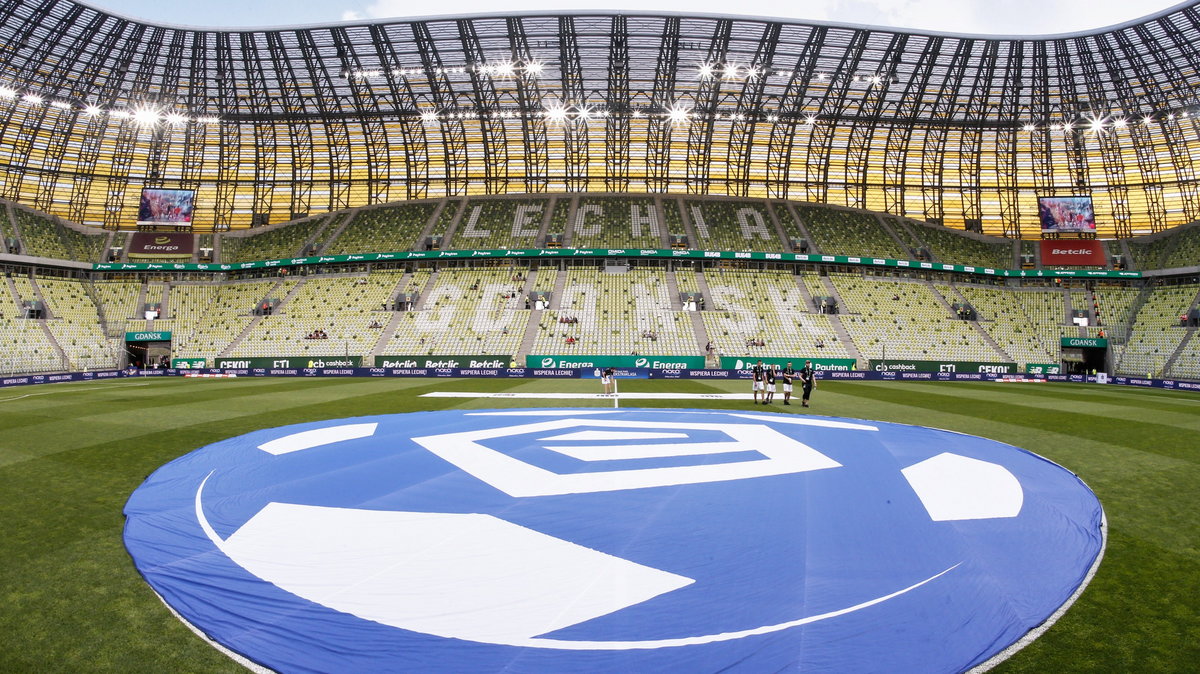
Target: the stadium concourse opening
pixel 615 540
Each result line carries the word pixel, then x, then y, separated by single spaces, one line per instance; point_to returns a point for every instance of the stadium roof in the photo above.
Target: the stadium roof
pixel 963 130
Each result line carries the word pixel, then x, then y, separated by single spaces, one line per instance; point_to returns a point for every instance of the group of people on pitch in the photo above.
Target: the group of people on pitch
pixel 765 377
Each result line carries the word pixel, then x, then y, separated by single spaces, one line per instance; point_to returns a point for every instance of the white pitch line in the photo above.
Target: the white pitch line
pixel 90 388
pixel 590 396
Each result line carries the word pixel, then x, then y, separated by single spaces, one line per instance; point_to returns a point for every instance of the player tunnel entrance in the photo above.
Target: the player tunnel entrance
pixel 1084 355
pixel 148 349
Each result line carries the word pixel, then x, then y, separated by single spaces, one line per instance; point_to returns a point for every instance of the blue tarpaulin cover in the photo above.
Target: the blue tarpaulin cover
pixel 580 540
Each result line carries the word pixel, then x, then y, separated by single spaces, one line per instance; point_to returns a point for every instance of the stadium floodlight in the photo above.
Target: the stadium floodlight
pixel 1120 123
pixel 61 105
pixel 505 69
pixel 772 118
pixel 1029 127
pixel 678 113
pixel 429 116
pixel 706 71
pixel 583 112
pixel 146 116
pixel 810 120
pixel 534 68
pixel 209 119
pixel 33 98
pixel 92 110
pixel 1095 124
pixel 120 114
pixel 556 112
pixel 730 71
pixel 175 119
pixel 752 73
pixel 6 92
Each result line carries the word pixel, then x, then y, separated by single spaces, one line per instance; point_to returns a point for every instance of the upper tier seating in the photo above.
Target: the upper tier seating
pixel 733 225
pixel 43 237
pixel 274 244
pixel 844 232
pixel 1180 248
pixel 951 247
pixel 616 222
pixel 382 229
pixel 493 224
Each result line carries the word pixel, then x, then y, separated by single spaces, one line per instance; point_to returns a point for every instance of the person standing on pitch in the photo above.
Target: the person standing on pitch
pixel 807 381
pixel 770 377
pixel 758 374
pixel 606 378
pixel 788 376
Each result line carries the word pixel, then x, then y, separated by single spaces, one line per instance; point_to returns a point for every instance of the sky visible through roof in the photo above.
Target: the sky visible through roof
pixel 986 17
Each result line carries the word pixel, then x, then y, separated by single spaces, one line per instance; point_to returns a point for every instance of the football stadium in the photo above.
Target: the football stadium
pixel 598 341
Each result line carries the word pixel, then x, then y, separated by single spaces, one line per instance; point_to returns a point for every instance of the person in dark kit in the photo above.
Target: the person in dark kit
pixel 759 383
pixel 807 381
pixel 770 377
pixel 789 375
pixel 606 378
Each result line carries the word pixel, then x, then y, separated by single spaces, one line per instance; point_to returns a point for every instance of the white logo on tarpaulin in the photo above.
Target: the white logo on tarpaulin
pixel 547 362
pixel 776 453
pixel 641 362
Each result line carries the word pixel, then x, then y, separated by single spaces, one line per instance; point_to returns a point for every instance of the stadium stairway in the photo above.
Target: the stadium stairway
pixel 346 220
pixel 427 230
pixel 916 237
pixel 163 299
pixel 560 285
pixel 401 286
pixel 833 292
pixel 836 321
pixel 803 228
pixel 1129 261
pixel 777 227
pixel 688 226
pixel 429 285
pixel 568 232
pixel 891 232
pixel 673 292
pixel 16 296
pixel 1179 350
pixel 386 334
pixel 47 311
pixel 141 299
pixel 1069 311
pixel 808 299
pixel 705 293
pixel 530 336
pixel 452 229
pixel 58 350
pixel 316 235
pixel 229 348
pixel 959 297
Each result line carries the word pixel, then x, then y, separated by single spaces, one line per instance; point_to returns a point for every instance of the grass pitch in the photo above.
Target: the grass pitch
pixel 70 454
